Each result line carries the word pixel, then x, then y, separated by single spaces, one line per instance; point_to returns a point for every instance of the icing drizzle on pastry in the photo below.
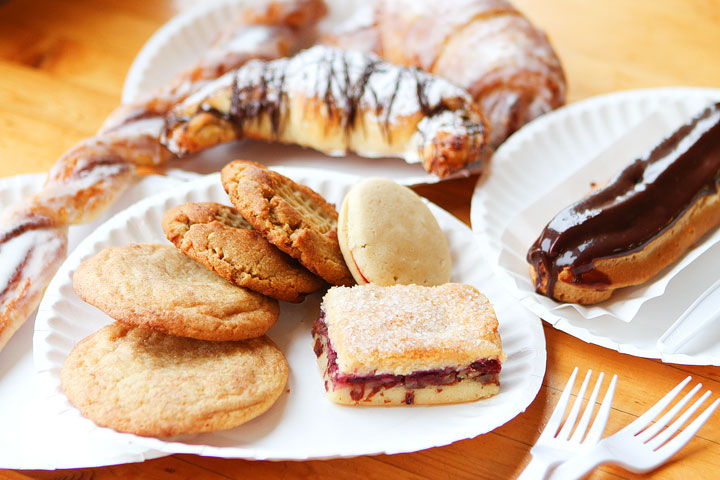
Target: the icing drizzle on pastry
pixel 347 83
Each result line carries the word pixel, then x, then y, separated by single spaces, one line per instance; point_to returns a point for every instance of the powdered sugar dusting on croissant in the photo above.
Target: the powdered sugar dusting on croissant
pixel 514 77
pixel 334 101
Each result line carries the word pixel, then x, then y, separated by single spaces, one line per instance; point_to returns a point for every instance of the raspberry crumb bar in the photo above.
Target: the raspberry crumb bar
pixel 408 344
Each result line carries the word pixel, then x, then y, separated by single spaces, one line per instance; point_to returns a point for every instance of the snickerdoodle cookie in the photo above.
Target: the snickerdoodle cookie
pixel 148 383
pixel 219 237
pixel 157 287
pixel 293 217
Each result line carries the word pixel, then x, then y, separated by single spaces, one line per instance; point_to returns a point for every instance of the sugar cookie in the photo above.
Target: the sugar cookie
pixel 148 383
pixel 157 287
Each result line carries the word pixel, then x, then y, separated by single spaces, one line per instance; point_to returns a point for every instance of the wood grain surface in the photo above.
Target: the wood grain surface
pixel 62 67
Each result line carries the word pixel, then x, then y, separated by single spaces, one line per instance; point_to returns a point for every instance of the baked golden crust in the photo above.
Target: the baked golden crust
pixel 147 383
pixel 402 329
pixel 293 217
pixel 219 238
pixel 158 288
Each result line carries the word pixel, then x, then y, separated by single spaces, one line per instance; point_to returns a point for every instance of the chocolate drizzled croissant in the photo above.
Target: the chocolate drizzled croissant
pixel 336 101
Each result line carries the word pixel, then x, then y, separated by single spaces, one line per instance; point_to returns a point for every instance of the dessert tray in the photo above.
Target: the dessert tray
pixel 548 165
pixel 303 424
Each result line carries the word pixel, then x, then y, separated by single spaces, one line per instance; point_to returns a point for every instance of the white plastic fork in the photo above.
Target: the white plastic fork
pixel 554 447
pixel 704 311
pixel 642 446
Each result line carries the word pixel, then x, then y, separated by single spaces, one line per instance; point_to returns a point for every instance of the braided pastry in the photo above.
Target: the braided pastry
pixel 32 246
pixel 335 101
pixel 91 175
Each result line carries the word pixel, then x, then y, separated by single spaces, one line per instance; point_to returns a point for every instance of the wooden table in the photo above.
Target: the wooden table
pixel 62 66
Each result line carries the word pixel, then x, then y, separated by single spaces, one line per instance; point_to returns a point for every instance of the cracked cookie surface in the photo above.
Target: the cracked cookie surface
pixel 293 217
pixel 219 238
pixel 148 383
pixel 158 288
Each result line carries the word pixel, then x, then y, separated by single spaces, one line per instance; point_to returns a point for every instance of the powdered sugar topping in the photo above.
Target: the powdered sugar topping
pixel 350 80
pixel 402 329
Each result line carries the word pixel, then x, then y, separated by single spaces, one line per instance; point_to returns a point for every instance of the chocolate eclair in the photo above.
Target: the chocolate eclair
pixel 640 222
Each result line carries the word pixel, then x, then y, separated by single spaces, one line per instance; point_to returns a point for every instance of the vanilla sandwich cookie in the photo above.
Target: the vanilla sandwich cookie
pixel 389 236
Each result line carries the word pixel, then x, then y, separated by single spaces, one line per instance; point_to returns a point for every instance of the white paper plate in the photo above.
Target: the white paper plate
pixel 303 424
pixel 182 41
pixel 545 153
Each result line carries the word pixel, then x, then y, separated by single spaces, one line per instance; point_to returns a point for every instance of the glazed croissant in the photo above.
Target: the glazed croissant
pixel 335 101
pixel 484 46
pixel 91 175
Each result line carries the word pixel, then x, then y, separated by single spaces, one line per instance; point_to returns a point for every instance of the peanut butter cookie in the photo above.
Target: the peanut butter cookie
pixel 292 217
pixel 219 237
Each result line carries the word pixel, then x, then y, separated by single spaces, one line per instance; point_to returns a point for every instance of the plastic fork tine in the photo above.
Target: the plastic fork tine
pixel 663 436
pixel 651 448
pixel 650 432
pixel 570 422
pixel 670 448
pixel 645 419
pixel 585 419
pixel 552 426
pixel 554 446
pixel 601 418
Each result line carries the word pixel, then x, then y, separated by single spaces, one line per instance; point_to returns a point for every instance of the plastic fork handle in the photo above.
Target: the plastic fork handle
pixel 703 311
pixel 582 464
pixel 538 468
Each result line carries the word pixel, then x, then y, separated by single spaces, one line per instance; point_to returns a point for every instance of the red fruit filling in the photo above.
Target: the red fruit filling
pixel 484 371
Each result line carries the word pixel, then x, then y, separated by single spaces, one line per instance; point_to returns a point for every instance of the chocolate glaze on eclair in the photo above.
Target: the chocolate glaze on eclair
pixel 637 206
